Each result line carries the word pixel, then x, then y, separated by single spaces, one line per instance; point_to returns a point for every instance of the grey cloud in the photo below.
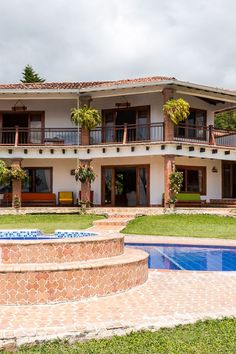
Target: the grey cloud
pixel 71 40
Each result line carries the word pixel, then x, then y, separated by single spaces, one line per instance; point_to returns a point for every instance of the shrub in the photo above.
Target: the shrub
pixel 176 180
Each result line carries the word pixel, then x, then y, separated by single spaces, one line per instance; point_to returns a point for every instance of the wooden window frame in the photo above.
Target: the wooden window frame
pixel 194 168
pixel 28 113
pixel 114 112
pixel 41 168
pixel 188 127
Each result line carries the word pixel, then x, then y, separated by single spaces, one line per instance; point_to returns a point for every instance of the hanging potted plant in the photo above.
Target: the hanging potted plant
pixel 87 118
pixel 5 173
pixel 177 110
pixel 17 174
pixel 175 183
pixel 85 174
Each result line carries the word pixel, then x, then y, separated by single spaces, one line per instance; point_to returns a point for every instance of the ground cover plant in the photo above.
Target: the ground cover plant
pixel 183 225
pixel 208 337
pixel 47 222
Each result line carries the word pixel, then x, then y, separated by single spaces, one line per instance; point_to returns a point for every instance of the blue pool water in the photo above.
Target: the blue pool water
pixel 34 234
pixel 185 257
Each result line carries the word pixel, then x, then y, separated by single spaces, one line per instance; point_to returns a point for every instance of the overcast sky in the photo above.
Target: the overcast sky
pixel 85 40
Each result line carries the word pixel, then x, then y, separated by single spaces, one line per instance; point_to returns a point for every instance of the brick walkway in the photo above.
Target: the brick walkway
pixel 168 298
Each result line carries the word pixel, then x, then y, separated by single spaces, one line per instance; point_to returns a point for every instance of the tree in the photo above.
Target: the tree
pixel 226 120
pixel 29 75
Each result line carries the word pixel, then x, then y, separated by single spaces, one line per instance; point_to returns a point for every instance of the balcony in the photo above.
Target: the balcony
pixel 33 137
pixel 128 133
pixel 205 135
pixel 118 134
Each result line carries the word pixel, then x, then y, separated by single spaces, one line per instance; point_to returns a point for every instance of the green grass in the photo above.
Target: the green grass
pixel 208 337
pixel 183 225
pixel 47 222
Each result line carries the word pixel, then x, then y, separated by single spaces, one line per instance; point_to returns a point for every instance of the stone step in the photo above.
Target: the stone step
pixel 51 282
pixel 215 205
pixel 112 222
pixel 223 201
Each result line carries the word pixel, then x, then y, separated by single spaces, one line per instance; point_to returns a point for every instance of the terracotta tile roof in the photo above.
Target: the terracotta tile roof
pixel 79 85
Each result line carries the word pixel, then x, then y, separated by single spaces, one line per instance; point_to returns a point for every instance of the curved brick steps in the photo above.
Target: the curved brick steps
pixel 51 282
pixel 62 250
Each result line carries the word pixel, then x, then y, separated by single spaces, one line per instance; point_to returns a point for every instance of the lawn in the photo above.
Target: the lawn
pixel 183 225
pixel 208 337
pixel 47 222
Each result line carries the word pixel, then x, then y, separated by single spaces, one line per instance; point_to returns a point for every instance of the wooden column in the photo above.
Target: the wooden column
pixel 211 135
pixel 84 101
pixel 85 187
pixel 169 166
pixel 168 124
pixel 16 185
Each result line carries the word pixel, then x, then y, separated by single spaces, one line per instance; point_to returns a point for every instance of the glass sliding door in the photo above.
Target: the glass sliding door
pixel 109 129
pixel 229 180
pixel 35 128
pixel 143 127
pixel 125 186
pixel 107 182
pixel 143 186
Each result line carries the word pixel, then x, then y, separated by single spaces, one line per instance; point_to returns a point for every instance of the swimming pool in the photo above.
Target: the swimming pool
pixel 185 257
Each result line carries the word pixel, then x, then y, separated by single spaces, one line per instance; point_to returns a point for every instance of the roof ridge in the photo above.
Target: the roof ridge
pixel 80 84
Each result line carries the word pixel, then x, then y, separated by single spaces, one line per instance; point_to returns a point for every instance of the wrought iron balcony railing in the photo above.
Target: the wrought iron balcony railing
pixel 118 134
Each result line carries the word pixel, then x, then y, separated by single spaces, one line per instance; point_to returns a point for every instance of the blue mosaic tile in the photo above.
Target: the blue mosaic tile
pixel 24 234
pixel 73 233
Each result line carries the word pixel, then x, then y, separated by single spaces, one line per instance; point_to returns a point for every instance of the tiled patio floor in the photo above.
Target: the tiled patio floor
pixel 168 298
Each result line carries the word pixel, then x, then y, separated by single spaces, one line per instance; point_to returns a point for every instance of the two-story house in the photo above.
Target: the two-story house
pixel 135 148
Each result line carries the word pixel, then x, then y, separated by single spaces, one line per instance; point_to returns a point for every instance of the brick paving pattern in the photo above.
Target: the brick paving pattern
pixel 166 299
pixel 63 250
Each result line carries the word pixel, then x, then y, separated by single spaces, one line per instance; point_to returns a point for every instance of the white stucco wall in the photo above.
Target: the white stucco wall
pixel 57 112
